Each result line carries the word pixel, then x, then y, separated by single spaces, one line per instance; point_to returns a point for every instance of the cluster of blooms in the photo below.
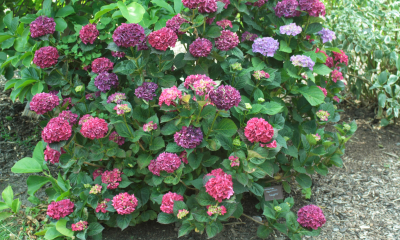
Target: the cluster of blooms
pixel 175 23
pixel 122 109
pixel 183 156
pixel 46 57
pixel 103 64
pixel 336 98
pixel 317 137
pixel 234 161
pixel 85 118
pixel 208 6
pixel 97 173
pixel 42 26
pixel 67 102
pixel 143 45
pixel 117 54
pixel 341 57
pixel 227 41
pixel 166 161
pixel 323 90
pixel 51 155
pixel 124 203
pixel 163 39
pixel 211 210
pixel 323 115
pixel 192 4
pixel 146 91
pixel 182 213
pixel 92 96
pixel 329 60
pixel 56 130
pixel 290 29
pixel 191 79
pixel 105 80
pixel 188 137
pixel 150 126
pixel 167 203
pixel 44 102
pixel 204 86
pixel 96 189
pixel 336 75
pixel 287 8
pixel 224 23
pixel 260 74
pixel 94 128
pixel 102 206
pixel 246 36
pixel 258 3
pixel 227 2
pixel 72 118
pixel 168 95
pixel 314 8
pixel 225 97
pixel 236 66
pixel 201 47
pixel 60 209
pixel 326 35
pixel 221 186
pixel 89 33
pixel 79 226
pixel 267 46
pixel 311 216
pixel 116 138
pixel 258 130
pixel 112 178
pixel 302 61
pixel 116 98
pixel 128 35
pixel 269 145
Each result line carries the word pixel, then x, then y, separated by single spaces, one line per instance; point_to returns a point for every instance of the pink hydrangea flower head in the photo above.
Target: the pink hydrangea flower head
pixel 167 204
pixel 146 91
pixel 227 2
pixel 96 189
pixel 329 62
pixel 287 8
pixel 168 162
pixel 183 156
pixel 122 109
pixel 258 130
pixel 246 36
pixel 42 26
pixel 336 75
pixel 85 118
pixel 117 54
pixel 224 23
pixel 94 128
pixel 311 216
pixel 191 79
pixel 168 95
pixel 163 39
pixel 105 81
pixel 124 203
pixel 225 97
pixel 116 98
pixel 128 35
pixel 56 130
pixel 175 23
pixel 89 33
pixel 44 102
pixel 46 57
pixel 79 226
pixel 51 155
pixel 220 210
pixel 102 206
pixel 102 64
pixel 97 173
pixel 192 4
pixel 227 41
pixel 341 57
pixel 269 145
pixel 267 46
pixel 67 102
pixel 336 98
pixel 260 74
pixel 323 115
pixel 221 186
pixel 150 126
pixel 188 137
pixel 182 213
pixel 323 90
pixel 72 118
pixel 204 86
pixel 60 209
pixel 208 6
pixel 201 47
pixel 112 178
pixel 234 161
pixel 116 138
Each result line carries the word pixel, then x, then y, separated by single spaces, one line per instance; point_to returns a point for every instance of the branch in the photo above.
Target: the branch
pixel 253 219
pixel 187 185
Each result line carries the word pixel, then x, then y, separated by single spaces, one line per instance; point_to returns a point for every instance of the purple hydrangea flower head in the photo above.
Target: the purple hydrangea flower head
pixel 246 36
pixel 89 33
pixel 46 57
pixel 290 29
pixel 105 80
pixel 175 23
pixel 227 41
pixel 314 8
pixel 188 137
pixel 146 91
pixel 208 6
pixel 259 3
pixel 327 35
pixel 116 98
pixel 102 65
pixel 128 35
pixel 311 216
pixel 225 97
pixel 116 138
pixel 267 46
pixel 72 118
pixel 302 61
pixel 42 26
pixel 118 54
pixel 224 23
pixel 201 47
pixel 143 45
pixel 287 8
pixel 192 4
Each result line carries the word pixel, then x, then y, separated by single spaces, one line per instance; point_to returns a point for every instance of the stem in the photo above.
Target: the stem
pixel 141 146
pixel 127 126
pixel 212 124
pixel 252 219
pixel 92 164
pixel 187 185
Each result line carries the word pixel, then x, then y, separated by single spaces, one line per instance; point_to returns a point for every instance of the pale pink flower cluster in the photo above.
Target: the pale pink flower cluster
pixel 167 204
pixel 182 213
pixel 169 95
pixel 224 23
pixel 95 189
pixel 220 210
pixel 336 75
pixel 221 186
pixel 260 74
pixel 234 161
pixel 124 203
pixel 85 118
pixel 112 178
pixel 317 137
pixel 150 126
pixel 336 98
pixel 323 115
pixel 323 90
pixel 122 109
pixel 204 86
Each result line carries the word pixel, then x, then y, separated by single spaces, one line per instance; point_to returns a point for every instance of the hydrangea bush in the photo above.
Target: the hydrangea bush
pixel 141 132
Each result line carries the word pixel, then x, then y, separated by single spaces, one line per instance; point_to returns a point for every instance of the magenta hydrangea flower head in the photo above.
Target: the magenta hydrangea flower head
pixel 224 23
pixel 260 74
pixel 122 109
pixel 221 186
pixel 46 57
pixel 191 79
pixel 267 46
pixel 234 161
pixel 103 64
pixel 150 126
pixel 326 35
pixel 204 86
pixel 85 118
pixel 116 138
pixel 209 20
pixel 259 3
pixel 79 226
pixel 168 95
pixel 225 97
pixel 227 41
pixel 166 161
pixel 220 210
pixel 336 75
pixel 124 203
pixel 208 6
pixel 51 155
pixel 291 29
pixel 314 8
pixel 336 98
pixel 112 178
pixel 118 54
pixel 72 118
pixel 167 203
pixel 323 115
pixel 42 26
pixel 56 130
pixel 287 8
pixel 94 128
pixel 192 4
pixel 302 61
pixel 323 90
pixel 258 130
pixel 44 102
pixel 269 145
pixel 89 33
pixel 163 39
pixel 188 137
pixel 175 23
pixel 183 156
pixel 246 36
pixel 67 102
pixel 341 57
pixel 97 173
pixel 201 47
pixel 146 91
pixel 311 216
pixel 116 98
pixel 128 35
pixel 102 206
pixel 105 80
pixel 60 209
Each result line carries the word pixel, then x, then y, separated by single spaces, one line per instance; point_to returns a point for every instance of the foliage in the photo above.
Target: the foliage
pixel 9 203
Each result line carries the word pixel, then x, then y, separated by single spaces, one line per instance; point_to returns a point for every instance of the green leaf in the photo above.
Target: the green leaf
pixel 185 229
pixel 226 127
pixel 213 32
pixel 163 4
pixel 52 233
pixel 8 196
pixel 242 178
pixel 321 69
pixel 133 12
pixel 257 189
pixel 271 108
pixel 95 228
pixel 304 180
pixel 37 88
pixel 4 215
pixel 263 231
pixel 61 24
pixel 179 205
pixel 313 94
pixel 157 144
pixel 313 28
pixel 35 183
pixel 61 227
pixel 124 220
pixel 38 153
pixel 178 5
pixel 65 11
pixel 26 165
pixel 205 199
pixel 123 130
pixel 144 160
pixel 283 47
pixel 103 10
pixel 213 228
pixel 165 218
pixel 208 111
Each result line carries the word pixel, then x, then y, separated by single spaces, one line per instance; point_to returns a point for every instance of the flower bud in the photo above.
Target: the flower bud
pixel 236 142
pixel 237 66
pixel 78 88
pixel 346 127
pixel 278 208
pixel 248 106
pixel 87 185
pixel 261 100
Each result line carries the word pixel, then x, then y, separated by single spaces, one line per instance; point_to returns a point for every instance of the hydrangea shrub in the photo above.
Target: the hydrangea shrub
pixel 141 132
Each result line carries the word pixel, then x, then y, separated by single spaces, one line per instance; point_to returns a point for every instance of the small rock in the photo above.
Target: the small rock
pixel 257 218
pixel 343 229
pixel 336 229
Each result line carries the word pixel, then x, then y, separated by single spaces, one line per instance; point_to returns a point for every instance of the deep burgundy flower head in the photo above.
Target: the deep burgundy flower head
pixel 146 91
pixel 105 80
pixel 311 216
pixel 317 9
pixel 221 186
pixel 56 130
pixel 143 45
pixel 124 203
pixel 188 137
pixel 85 118
pixel 72 118
pixel 89 33
pixel 116 138
pixel 163 39
pixel 112 178
pixel 208 6
pixel 51 155
pixel 224 23
pixel 227 2
pixel 225 97
pixel 175 23
pixel 44 102
pixel 246 36
pixel 287 8
pixel 46 57
pixel 209 20
pixel 192 4
pixel 94 128
pixel 227 41
pixel 118 54
pixel 167 203
pixel 103 64
pixel 258 130
pixel 329 62
pixel 166 161
pixel 128 35
pixel 201 47
pixel 97 173
pixel 60 209
pixel 42 26
pixel 259 3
